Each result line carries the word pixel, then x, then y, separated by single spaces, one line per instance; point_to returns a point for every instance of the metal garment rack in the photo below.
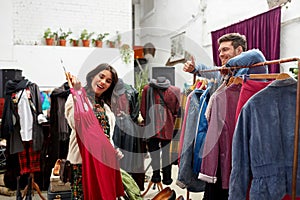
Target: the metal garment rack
pixel 296 136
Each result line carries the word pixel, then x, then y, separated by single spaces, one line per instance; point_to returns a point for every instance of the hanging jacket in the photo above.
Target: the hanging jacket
pixel 200 135
pixel 263 143
pixel 186 177
pixel 126 135
pixel 59 124
pixel 128 101
pixel 11 123
pixel 160 122
pixel 217 147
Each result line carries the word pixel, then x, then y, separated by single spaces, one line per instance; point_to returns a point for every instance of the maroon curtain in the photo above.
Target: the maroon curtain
pixel 262 32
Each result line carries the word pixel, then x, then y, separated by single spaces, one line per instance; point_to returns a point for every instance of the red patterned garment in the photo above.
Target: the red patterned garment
pixel 29 159
pixel 101 175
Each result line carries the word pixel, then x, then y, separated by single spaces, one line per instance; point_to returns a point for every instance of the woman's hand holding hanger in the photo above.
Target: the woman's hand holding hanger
pixel 73 81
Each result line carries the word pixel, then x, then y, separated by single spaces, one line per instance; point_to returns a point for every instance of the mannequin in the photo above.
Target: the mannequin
pixel 160 101
pixel 22 118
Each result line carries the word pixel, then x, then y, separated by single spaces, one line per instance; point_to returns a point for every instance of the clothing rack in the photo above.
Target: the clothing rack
pixel 296 135
pixel 254 65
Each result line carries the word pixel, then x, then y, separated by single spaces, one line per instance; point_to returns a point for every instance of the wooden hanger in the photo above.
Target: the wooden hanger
pixel 279 76
pixel 195 84
pixel 230 81
pixel 237 80
pixel 203 84
pixel 283 76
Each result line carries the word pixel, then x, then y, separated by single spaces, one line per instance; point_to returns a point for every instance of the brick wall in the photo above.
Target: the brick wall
pixel 32 17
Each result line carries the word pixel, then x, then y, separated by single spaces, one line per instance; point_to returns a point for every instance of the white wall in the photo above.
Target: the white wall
pixel 22 44
pixel 42 64
pixel 6 39
pixel 24 22
pixel 199 17
pixel 32 17
pixel 290 29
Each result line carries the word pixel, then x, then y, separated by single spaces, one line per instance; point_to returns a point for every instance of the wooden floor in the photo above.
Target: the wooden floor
pixel 151 193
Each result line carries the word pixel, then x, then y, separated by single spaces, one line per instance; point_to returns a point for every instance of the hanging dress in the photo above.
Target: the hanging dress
pixel 100 169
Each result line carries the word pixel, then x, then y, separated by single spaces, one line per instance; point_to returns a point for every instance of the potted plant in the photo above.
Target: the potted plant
pixel 85 37
pixel 49 36
pixel 74 42
pixel 98 41
pixel 118 39
pixel 62 36
pixel 126 53
pixel 116 42
pixel 111 43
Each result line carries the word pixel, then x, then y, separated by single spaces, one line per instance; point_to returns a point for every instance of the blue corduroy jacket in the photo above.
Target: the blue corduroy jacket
pixel 263 144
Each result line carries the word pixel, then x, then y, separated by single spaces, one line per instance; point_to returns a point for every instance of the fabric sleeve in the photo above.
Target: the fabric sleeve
pixel 216 75
pixel 240 173
pixel 144 102
pixel 246 58
pixel 69 111
pixel 211 150
pixel 134 105
pixel 36 98
pixel 112 122
pixel 73 153
pixel 175 108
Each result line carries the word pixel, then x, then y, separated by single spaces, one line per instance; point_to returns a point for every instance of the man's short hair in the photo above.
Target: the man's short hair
pixel 236 38
pixel 149 48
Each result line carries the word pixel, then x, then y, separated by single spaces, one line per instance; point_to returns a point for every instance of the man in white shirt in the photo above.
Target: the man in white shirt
pixel 149 53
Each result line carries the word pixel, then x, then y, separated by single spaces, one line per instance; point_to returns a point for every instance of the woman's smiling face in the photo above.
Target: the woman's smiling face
pixel 101 82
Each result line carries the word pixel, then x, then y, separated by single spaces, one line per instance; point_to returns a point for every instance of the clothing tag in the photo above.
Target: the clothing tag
pixel 28 93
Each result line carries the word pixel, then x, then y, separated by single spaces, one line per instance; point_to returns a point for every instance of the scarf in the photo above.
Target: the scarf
pixel 99 111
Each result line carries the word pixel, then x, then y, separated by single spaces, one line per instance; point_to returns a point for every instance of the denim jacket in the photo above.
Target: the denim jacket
pixel 263 144
pixel 186 177
pixel 201 130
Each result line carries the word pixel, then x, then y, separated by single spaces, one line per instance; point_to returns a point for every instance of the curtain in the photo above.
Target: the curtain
pixel 262 32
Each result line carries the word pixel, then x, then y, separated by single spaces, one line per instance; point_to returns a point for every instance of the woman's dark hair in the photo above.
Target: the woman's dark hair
pixel 106 96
